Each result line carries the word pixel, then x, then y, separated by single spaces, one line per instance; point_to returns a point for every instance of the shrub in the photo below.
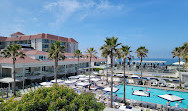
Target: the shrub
pixel 56 98
pixel 1 99
pixel 97 69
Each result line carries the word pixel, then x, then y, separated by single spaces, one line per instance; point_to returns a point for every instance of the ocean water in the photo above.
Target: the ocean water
pixel 169 61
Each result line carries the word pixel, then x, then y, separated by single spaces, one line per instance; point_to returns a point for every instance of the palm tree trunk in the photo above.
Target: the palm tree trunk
pixel 56 66
pixel 78 66
pixel 179 74
pixel 107 70
pixel 124 99
pixel 141 68
pixel 14 77
pixel 111 79
pixel 89 71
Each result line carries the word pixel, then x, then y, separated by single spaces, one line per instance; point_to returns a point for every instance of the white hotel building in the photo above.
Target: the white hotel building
pixel 36 66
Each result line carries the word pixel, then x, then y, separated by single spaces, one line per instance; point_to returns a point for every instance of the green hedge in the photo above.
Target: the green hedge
pixel 56 98
pixel 97 69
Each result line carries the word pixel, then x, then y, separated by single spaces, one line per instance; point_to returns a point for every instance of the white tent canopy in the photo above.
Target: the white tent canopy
pixel 69 82
pixel 135 76
pixel 95 73
pixel 141 93
pixel 92 76
pixel 95 79
pixel 58 81
pixel 108 89
pixel 82 76
pixel 82 83
pixel 73 77
pixel 46 84
pixel 177 63
pixel 170 97
pixel 82 79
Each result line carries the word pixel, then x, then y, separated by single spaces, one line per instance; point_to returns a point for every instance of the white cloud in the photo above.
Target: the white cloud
pixel 79 10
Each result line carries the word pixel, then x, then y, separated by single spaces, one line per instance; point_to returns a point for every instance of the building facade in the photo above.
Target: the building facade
pixel 36 65
pixel 39 42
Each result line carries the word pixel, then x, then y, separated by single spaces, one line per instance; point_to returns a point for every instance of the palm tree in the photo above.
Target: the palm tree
pixel 56 52
pixel 111 44
pixel 177 52
pixel 105 53
pixel 78 54
pixel 13 51
pixel 185 53
pixel 141 53
pixel 125 52
pixel 92 53
pixel 130 57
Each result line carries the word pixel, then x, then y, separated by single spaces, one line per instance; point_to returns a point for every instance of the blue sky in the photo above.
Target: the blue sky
pixel 160 25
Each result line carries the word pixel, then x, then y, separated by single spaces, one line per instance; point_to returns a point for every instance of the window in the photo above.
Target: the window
pixel 45 46
pixel 62 43
pixel 52 41
pixel 45 41
pixel 29 42
pixel 41 58
pixel 43 68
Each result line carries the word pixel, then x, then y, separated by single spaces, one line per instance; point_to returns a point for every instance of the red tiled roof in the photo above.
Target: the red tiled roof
pixel 19 60
pixel 69 54
pixel 31 60
pixel 34 52
pixel 41 35
pixel 17 33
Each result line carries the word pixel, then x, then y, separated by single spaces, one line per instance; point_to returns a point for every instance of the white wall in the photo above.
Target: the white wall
pixel 37 45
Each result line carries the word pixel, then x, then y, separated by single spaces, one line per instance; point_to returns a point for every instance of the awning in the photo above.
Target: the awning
pixel 35 77
pixel 141 93
pixel 10 80
pixel 170 97
pixel 108 89
pixel 49 75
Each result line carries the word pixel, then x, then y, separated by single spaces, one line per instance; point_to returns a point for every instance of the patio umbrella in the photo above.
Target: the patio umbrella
pixel 95 79
pixel 69 82
pixel 141 93
pixel 58 81
pixel 95 73
pixel 92 76
pixel 153 81
pixel 82 79
pixel 170 97
pixel 135 77
pixel 73 77
pixel 82 83
pixel 82 76
pixel 117 79
pixel 46 84
pixel 108 89
pixel 162 82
